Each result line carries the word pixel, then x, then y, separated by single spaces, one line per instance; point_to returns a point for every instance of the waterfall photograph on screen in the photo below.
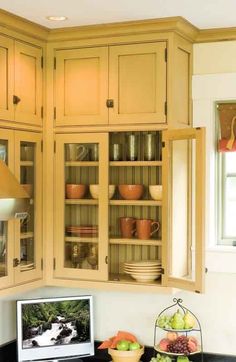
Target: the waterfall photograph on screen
pixel 55 323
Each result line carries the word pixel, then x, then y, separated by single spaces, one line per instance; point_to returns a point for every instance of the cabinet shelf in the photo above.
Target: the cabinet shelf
pixel 27 163
pixel 81 202
pixel 135 203
pixel 27 235
pixel 76 239
pixel 81 163
pixel 150 242
pixel 135 163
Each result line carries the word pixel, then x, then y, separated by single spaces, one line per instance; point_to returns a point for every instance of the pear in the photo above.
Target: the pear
pixel 177 320
pixel 189 320
pixel 182 359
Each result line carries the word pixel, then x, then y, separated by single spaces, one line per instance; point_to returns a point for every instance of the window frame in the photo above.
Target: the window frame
pixel 220 182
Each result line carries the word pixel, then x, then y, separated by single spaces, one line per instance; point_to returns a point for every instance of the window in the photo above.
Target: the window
pixel 226 176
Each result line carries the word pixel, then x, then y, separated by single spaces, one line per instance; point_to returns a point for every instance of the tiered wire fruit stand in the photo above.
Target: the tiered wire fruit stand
pixel 174 342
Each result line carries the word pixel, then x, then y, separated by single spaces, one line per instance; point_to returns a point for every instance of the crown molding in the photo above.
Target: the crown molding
pixel 170 24
pixel 178 24
pixel 20 25
pixel 216 34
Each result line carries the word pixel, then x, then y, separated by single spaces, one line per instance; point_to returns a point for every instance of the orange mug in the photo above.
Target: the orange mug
pixel 144 228
pixel 127 227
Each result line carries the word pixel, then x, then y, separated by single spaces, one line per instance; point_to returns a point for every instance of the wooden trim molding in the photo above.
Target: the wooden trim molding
pixel 177 24
pixel 214 35
pixel 23 26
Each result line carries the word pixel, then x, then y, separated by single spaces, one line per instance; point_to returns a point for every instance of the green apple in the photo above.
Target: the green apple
pixel 133 346
pixel 123 345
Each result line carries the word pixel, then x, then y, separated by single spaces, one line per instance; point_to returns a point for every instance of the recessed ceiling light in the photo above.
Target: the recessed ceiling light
pixel 56 18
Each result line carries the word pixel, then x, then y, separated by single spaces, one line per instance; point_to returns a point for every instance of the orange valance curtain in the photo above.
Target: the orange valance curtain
pixel 227 129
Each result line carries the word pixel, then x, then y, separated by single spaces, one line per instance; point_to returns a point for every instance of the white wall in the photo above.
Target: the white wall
pixel 137 312
pixel 214 79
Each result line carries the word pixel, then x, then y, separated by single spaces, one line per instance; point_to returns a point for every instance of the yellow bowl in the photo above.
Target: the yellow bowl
pixel 126 356
pixel 94 191
pixel 155 192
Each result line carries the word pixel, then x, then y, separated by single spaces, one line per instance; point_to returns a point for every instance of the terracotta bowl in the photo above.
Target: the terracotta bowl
pixel 75 191
pixel 131 192
pixel 28 188
pixel 155 192
pixel 125 356
pixel 94 191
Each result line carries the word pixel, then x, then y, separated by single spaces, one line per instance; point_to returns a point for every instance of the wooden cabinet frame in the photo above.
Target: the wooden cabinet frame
pixel 195 219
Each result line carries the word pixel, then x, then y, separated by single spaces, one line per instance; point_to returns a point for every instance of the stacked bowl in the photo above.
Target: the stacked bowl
pixel 144 271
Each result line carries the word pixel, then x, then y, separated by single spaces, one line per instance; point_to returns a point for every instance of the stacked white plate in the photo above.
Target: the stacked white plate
pixel 144 271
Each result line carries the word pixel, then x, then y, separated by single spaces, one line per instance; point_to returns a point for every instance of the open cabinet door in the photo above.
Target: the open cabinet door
pixel 184 208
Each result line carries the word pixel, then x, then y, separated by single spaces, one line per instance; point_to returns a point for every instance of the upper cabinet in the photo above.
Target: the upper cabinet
pixel 21 82
pixel 123 84
pixel 21 239
pixel 129 209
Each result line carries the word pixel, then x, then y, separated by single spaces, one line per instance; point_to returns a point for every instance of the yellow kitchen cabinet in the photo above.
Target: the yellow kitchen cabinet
pixel 21 240
pixel 21 82
pixel 90 247
pixel 121 84
pixel 81 222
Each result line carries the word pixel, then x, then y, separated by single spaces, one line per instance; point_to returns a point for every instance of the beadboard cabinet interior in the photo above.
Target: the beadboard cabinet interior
pixel 21 82
pixel 21 240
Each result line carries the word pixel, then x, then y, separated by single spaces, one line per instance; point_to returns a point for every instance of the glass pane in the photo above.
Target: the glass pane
pixel 3 248
pixel 230 162
pixel 27 179
pixel 230 207
pixel 81 205
pixel 3 151
pixel 3 224
pixel 181 215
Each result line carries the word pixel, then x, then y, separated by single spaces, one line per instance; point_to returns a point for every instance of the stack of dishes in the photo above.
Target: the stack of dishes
pixel 86 231
pixel 143 271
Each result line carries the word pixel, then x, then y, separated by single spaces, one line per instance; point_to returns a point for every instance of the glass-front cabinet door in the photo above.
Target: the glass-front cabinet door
pixel 28 231
pixel 6 227
pixel 184 208
pixel 81 206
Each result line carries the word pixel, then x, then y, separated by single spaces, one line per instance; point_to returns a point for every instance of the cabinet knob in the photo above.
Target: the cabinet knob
pixel 110 103
pixel 16 99
pixel 16 262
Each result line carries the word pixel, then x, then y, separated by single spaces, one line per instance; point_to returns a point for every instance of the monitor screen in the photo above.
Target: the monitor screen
pixel 55 328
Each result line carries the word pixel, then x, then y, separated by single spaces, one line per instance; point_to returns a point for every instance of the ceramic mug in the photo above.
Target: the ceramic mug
pixel 127 227
pixel 146 228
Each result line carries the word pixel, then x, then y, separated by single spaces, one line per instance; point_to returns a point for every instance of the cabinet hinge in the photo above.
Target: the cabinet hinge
pixel 206 270
pixel 55 147
pixel 106 259
pixel 162 271
pixel 55 63
pixel 165 111
pixel 163 144
pixel 41 145
pixel 54 263
pixel 42 112
pixel 42 62
pixel 165 54
pixel 41 263
pixel 55 113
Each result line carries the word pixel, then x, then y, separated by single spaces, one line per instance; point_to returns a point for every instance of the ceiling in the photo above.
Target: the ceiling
pixel 204 14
